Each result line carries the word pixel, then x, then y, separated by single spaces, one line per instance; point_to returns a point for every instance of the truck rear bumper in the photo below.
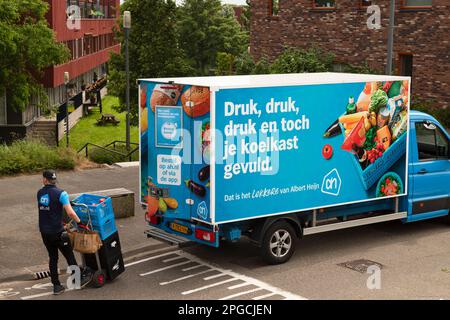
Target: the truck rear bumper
pixel 181 232
pixel 171 239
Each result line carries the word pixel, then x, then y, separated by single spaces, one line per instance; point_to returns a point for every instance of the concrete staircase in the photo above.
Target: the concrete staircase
pixel 44 130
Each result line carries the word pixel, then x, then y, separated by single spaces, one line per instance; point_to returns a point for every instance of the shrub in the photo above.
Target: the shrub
pixel 294 60
pixel 26 156
pixel 103 156
pixel 430 107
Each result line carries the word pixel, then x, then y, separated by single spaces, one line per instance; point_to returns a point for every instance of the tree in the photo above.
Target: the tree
pixel 27 47
pixel 153 48
pixel 207 28
pixel 295 60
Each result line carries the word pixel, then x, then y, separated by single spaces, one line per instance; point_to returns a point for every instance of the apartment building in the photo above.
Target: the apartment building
pixel 86 28
pixel 421 36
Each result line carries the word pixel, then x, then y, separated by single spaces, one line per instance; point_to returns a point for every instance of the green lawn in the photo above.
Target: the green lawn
pixel 86 130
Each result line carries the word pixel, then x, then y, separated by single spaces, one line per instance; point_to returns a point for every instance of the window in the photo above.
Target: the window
pixel 406 65
pixel 324 4
pixel 365 3
pixel 274 7
pixel 432 143
pixel 416 3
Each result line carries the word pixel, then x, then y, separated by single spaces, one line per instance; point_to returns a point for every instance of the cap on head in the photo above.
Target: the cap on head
pixel 49 175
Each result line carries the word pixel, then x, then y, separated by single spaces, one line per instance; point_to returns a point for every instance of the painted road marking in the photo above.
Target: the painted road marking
pixel 172 259
pixel 208 286
pixel 166 268
pixel 214 276
pixel 241 294
pixel 41 295
pixel 248 284
pixel 193 267
pixel 185 277
pixel 244 284
pixel 7 293
pixel 149 258
pixel 264 296
pixel 236 276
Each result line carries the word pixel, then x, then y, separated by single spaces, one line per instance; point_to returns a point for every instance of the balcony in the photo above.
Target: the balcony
pixel 54 76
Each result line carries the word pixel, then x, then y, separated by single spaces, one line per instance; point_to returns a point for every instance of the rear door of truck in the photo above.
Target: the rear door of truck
pixel 165 150
pixel 175 151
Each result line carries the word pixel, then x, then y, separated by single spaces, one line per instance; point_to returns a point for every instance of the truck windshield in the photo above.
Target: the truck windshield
pixel 432 143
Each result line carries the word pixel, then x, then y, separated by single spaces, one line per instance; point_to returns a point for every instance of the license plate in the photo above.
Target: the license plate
pixel 179 228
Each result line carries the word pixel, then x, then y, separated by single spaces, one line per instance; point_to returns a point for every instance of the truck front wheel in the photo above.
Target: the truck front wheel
pixel 278 243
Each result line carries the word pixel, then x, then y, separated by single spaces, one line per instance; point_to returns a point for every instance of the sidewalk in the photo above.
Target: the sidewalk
pixel 20 241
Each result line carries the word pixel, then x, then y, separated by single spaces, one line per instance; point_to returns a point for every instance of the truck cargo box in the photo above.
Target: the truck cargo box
pixel 225 149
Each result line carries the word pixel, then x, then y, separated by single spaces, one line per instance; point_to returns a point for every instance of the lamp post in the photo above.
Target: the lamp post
pixel 126 27
pixel 390 44
pixel 66 82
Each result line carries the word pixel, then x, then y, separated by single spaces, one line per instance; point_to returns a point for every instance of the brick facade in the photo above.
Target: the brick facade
pixel 424 33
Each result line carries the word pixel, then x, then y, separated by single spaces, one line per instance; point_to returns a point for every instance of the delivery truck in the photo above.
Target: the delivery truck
pixel 279 157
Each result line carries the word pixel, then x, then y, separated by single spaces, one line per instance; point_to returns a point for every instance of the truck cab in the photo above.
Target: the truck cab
pixel 429 168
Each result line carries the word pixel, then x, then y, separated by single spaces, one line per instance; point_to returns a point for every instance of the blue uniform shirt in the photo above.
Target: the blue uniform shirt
pixel 51 200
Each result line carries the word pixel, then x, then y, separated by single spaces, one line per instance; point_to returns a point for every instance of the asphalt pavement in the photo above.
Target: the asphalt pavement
pixel 413 259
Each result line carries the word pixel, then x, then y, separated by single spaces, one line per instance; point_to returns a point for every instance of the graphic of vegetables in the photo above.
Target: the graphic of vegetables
pixel 333 130
pixel 203 174
pixel 171 203
pixel 195 101
pixel 196 188
pixel 379 99
pixel 162 206
pixel 152 205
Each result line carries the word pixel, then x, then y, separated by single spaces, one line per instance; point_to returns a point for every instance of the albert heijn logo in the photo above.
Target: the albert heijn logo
pixel 331 183
pixel 44 200
pixel 202 210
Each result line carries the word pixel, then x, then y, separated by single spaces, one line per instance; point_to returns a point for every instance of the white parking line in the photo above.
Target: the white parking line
pixel 214 276
pixel 237 276
pixel 208 286
pixel 186 277
pixel 240 294
pixel 193 267
pixel 264 296
pixel 244 284
pixel 149 258
pixel 41 295
pixel 173 259
pixel 165 268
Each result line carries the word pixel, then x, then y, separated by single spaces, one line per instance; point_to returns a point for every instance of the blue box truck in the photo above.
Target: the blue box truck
pixel 280 157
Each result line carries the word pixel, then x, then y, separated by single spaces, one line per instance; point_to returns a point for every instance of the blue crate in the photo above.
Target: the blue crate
pixel 374 171
pixel 100 212
pixel 105 229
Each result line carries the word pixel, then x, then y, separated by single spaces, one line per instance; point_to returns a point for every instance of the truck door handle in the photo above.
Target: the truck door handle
pixel 422 171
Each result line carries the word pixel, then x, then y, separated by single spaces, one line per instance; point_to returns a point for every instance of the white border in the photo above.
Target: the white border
pixel 140 145
pixel 407 135
pixel 178 145
pixel 212 157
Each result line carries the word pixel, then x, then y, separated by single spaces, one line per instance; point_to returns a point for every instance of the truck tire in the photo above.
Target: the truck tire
pixel 278 243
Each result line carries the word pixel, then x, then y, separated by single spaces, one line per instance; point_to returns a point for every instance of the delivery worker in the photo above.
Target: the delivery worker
pixel 51 201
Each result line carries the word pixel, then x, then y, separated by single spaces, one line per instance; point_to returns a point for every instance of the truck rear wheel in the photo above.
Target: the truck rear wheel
pixel 278 243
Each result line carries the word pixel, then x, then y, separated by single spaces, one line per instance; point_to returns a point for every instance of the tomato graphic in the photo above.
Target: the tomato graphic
pixel 327 151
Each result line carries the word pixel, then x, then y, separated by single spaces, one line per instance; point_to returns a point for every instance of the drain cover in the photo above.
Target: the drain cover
pixel 360 265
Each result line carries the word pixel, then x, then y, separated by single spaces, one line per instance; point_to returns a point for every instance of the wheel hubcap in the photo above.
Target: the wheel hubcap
pixel 280 243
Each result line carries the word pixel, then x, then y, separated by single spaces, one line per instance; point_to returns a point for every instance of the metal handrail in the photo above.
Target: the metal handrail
pixel 124 155
pixel 120 141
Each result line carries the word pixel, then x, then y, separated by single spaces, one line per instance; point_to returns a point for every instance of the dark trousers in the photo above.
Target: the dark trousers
pixel 53 243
